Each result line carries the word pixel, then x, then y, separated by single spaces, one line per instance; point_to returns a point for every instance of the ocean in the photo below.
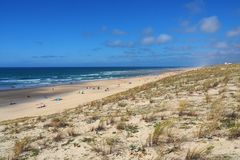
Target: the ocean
pixel 18 78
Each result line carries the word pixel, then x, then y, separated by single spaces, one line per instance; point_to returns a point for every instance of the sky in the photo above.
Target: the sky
pixel 78 33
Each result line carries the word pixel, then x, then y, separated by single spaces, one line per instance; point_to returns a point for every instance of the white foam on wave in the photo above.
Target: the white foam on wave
pixel 20 81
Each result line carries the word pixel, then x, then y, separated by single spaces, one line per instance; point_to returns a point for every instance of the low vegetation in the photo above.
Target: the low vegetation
pixel 193 116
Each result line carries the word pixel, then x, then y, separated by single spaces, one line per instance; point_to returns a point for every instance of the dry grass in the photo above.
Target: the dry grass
pixel 101 126
pixel 57 123
pixel 149 117
pixel 58 137
pixel 207 129
pixel 234 132
pixel 208 98
pixel 205 110
pixel 161 128
pixel 210 83
pixel 198 153
pixel 21 146
pixel 71 132
pixel 184 109
pixel 105 146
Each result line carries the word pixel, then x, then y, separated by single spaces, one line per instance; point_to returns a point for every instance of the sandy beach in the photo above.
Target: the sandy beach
pixel 177 115
pixel 41 101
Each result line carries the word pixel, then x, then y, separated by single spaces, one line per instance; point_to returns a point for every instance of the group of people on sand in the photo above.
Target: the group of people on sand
pixel 41 105
pixel 96 87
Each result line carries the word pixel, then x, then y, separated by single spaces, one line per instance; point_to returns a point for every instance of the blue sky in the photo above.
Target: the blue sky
pixel 119 33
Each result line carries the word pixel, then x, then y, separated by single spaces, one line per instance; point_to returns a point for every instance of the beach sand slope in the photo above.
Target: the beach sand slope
pixel 190 115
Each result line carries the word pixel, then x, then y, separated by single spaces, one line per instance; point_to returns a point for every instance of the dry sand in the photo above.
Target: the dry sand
pixel 71 96
pixel 189 116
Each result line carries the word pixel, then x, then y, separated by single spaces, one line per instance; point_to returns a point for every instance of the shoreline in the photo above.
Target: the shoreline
pixel 40 101
pixel 92 80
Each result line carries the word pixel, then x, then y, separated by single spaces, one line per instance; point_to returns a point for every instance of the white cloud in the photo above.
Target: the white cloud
pixel 148 31
pixel 233 33
pixel 118 32
pixel 149 40
pixel 163 38
pixel 120 44
pixel 210 24
pixel 195 6
pixel 221 45
pixel 187 27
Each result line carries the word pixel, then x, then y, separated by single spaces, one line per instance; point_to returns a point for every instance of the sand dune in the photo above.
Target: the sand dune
pixel 193 115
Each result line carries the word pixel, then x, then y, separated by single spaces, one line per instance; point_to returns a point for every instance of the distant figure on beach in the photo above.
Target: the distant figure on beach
pixel 41 106
pixel 52 89
pixel 12 103
pixel 98 87
pixel 107 89
pixel 58 99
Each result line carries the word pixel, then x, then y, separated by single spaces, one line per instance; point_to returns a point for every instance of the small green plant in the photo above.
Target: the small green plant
pixel 111 141
pixel 133 147
pixel 35 152
pixel 88 140
pixel 131 128
pixel 122 104
pixel 121 126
